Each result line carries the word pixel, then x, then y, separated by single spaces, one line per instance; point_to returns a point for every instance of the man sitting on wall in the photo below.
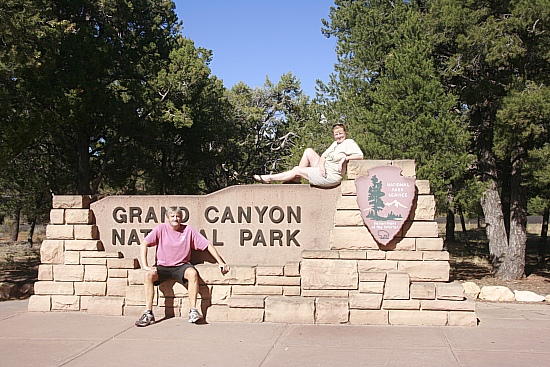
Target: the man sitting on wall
pixel 174 242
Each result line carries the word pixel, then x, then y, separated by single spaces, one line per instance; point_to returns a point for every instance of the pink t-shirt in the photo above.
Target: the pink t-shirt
pixel 174 246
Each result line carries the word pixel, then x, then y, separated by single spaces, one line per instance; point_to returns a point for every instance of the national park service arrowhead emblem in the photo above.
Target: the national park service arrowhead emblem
pixel 385 199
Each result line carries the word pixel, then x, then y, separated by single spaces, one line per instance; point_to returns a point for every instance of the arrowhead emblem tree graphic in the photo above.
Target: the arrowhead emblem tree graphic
pixel 385 199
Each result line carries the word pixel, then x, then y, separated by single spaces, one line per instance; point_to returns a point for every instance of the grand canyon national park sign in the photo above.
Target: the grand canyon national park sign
pixel 385 199
pixel 263 225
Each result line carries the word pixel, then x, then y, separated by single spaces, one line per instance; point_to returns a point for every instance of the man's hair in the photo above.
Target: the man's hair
pixel 175 209
pixel 339 125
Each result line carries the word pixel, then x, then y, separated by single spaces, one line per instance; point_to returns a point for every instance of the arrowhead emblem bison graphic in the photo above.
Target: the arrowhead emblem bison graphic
pixel 385 199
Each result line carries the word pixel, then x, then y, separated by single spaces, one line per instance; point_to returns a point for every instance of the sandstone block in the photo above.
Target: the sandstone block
pixel 417 318
pixel 84 300
pixel 291 310
pixel 429 244
pixel 365 301
pixel 59 232
pixel 404 255
pixel 71 201
pixel 353 255
pixel 101 254
pixel 318 254
pixel 123 263
pixel 426 271
pixel 496 294
pixel 424 290
pixel 86 232
pixel 83 245
pixel 527 296
pixel 78 216
pixel 373 276
pixel 65 303
pixel 346 202
pixel 450 291
pixel 347 218
pixel 135 295
pixel 435 256
pixel 368 317
pixel 71 258
pixel 117 287
pixel 459 318
pixel 423 187
pixel 269 270
pixel 331 311
pixel 137 311
pixel 95 273
pixel 403 244
pixel 424 208
pixel 376 255
pixel 52 252
pixel 347 187
pixel 40 303
pixel 329 274
pixel 226 314
pixel 398 304
pixel 291 290
pixel 340 293
pixel 220 294
pixel 443 305
pixel 352 238
pixel 46 288
pixel 110 306
pixel 211 274
pixel 45 272
pixel 420 229
pixel 135 276
pixel 292 269
pixel 171 288
pixel 471 290
pixel 68 273
pixel 376 265
pixel 90 288
pixel 269 290
pixel 92 260
pixel 118 273
pixel 270 280
pixel 371 287
pixel 246 302
pixel 397 285
pixel 57 216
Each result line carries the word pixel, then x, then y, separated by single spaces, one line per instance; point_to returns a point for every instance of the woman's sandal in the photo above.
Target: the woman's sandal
pixel 260 179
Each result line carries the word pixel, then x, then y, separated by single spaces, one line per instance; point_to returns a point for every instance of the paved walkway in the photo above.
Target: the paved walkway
pixel 507 335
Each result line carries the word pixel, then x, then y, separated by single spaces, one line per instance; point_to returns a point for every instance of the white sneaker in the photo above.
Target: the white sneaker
pixel 194 315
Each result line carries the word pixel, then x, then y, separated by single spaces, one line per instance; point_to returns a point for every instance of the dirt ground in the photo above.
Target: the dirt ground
pixel 19 263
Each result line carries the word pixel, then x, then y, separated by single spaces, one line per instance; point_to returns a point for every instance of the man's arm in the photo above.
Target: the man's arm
pixel 224 268
pixel 143 256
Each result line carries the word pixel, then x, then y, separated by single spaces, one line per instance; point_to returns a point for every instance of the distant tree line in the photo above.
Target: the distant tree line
pixel 108 97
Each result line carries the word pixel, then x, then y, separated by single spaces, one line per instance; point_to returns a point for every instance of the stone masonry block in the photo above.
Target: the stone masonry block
pixel 435 256
pixel 92 260
pixel 86 232
pixel 65 303
pixel 420 229
pixel 368 317
pixel 347 187
pixel 78 216
pixel 317 254
pixel 83 245
pixel 117 287
pixel 329 274
pixel 417 318
pixel 71 201
pixel 352 238
pixel 269 270
pixel 331 311
pixel 290 290
pixel 71 258
pixel 401 304
pixel 397 285
pixel 292 269
pixel 365 301
pixel 403 244
pixel 95 273
pixel 424 208
pixel 373 276
pixel 376 265
pixel 424 290
pixel 458 318
pixel 423 187
pixel 429 244
pixel 45 272
pixel 52 252
pixel 404 255
pixel 346 218
pixel 246 302
pixel 135 276
pixel 57 216
pixel 40 303
pixel 135 295
pixel 376 255
pixel 438 305
pixel 47 288
pixel 110 306
pixel 353 255
pixel 59 232
pixel 90 288
pixel 68 273
pixel 450 291
pixel 220 294
pixel 338 293
pixel 426 271
pixel 220 313
pixel 371 287
pixel 270 280
pixel 117 273
pixel 102 254
pixel 211 274
pixel 122 263
pixel 269 290
pixel 291 310
pixel 347 203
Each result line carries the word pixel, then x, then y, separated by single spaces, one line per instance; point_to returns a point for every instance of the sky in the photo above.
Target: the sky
pixel 252 39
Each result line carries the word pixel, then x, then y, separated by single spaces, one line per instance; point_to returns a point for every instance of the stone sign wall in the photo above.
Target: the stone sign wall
pixel 298 254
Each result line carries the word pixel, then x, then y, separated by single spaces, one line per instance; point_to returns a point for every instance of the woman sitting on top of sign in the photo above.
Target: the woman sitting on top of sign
pixel 325 170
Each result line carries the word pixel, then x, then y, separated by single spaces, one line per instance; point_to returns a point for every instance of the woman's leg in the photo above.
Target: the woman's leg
pixel 310 158
pixel 296 172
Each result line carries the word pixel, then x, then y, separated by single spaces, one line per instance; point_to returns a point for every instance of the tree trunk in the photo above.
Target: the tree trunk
pixel 14 230
pixel 541 258
pixel 31 232
pixel 463 224
pixel 450 224
pixel 494 226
